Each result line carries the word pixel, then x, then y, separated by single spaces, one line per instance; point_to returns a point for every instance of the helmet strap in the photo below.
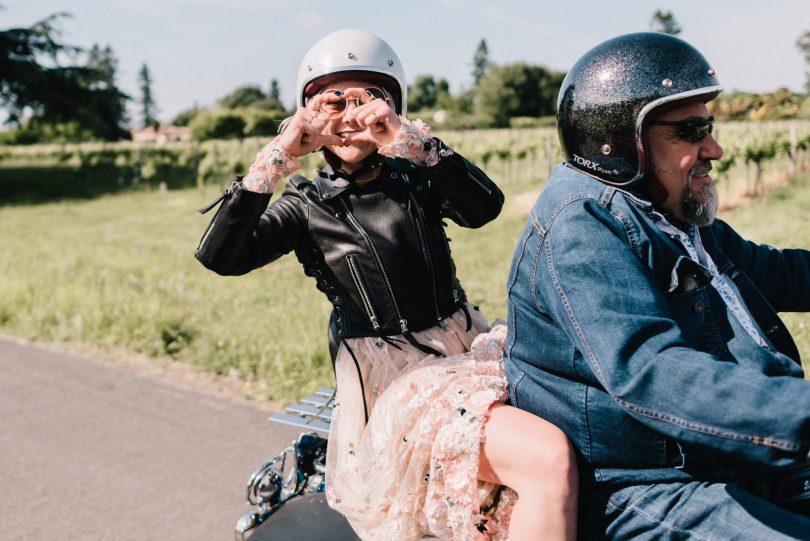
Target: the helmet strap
pixel 371 162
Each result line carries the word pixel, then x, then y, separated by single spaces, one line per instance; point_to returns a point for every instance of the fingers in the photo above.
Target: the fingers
pixel 369 114
pixel 359 137
pixel 331 140
pixel 314 103
pixel 319 120
pixel 304 134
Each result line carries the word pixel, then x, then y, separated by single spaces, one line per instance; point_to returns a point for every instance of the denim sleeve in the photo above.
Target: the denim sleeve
pixel 783 276
pixel 592 278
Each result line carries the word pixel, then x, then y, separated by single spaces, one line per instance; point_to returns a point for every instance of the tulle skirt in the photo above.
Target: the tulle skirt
pixel 411 470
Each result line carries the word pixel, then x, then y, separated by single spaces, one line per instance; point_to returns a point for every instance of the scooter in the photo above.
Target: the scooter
pixel 288 490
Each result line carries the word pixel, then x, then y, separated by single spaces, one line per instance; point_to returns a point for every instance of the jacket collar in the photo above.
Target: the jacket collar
pixel 329 184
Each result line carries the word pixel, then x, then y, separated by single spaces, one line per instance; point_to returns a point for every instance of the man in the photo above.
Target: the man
pixel 642 326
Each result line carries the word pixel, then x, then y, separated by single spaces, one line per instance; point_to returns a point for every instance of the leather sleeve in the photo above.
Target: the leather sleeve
pixel 469 197
pixel 246 234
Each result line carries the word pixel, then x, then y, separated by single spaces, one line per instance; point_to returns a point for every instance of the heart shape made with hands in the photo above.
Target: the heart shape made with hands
pixel 341 118
pixel 358 114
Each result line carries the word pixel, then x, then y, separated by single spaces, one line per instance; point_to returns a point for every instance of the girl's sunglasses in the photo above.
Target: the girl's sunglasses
pixel 334 103
pixel 689 129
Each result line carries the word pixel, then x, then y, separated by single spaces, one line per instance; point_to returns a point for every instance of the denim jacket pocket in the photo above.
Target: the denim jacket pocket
pixel 513 389
pixel 692 311
pixel 689 302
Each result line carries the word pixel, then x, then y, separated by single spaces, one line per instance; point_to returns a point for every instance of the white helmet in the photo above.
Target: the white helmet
pixel 351 50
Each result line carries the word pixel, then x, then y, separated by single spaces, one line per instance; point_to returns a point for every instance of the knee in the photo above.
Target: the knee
pixel 553 463
pixel 530 455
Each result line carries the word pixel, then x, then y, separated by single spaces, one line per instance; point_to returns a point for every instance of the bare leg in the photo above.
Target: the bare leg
pixel 535 459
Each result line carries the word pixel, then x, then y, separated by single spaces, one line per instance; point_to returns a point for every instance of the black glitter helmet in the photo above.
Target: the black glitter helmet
pixel 608 93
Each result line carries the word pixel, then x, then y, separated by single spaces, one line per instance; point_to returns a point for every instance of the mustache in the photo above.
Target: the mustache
pixel 702 168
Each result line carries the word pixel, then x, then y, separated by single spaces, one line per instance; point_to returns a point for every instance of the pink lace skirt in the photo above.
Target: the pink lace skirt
pixel 412 471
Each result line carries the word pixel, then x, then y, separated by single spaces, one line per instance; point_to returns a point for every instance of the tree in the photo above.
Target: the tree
pixel 426 93
pixel 148 105
pixel 185 117
pixel 217 125
pixel 36 88
pixel 803 44
pixel 664 21
pixel 244 96
pixel 273 100
pixel 108 108
pixel 480 61
pixel 517 89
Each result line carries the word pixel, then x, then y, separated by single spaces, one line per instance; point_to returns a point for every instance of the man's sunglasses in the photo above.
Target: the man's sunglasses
pixel 335 104
pixel 690 129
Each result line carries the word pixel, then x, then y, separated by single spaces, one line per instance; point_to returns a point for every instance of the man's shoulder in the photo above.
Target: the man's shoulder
pixel 568 190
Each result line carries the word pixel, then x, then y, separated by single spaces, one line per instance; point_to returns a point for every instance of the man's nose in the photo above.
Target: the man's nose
pixel 710 149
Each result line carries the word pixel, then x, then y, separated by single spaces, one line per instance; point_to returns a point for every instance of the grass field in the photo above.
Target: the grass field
pixel 119 271
pixel 781 218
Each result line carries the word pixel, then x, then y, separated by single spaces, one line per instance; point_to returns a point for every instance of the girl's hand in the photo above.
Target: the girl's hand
pixel 271 164
pixel 304 134
pixel 378 121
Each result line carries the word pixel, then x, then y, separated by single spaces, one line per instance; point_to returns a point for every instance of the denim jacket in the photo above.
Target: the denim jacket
pixel 651 380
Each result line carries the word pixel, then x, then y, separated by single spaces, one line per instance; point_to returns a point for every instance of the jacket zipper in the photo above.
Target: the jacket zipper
pixel 420 222
pixel 224 198
pixel 403 324
pixel 364 296
pixel 452 276
pixel 472 174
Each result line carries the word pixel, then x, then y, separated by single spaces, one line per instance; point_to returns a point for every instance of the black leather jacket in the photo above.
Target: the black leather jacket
pixel 379 251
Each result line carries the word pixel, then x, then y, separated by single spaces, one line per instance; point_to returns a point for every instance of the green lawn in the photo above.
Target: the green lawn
pixel 119 271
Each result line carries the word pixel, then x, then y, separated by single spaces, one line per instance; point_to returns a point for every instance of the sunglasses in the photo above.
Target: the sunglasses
pixel 689 129
pixel 334 103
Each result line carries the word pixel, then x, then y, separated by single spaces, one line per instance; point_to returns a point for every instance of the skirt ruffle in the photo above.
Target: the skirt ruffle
pixel 412 471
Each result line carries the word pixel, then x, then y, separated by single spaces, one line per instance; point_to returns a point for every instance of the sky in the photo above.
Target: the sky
pixel 198 51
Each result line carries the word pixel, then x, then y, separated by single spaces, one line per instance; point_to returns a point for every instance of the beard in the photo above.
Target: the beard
pixel 699 209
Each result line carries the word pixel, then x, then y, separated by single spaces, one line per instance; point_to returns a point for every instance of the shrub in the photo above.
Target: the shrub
pixel 519 122
pixel 209 125
pixel 263 123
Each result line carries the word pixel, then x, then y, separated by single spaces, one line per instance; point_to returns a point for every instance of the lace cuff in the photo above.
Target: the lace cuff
pixel 412 142
pixel 271 164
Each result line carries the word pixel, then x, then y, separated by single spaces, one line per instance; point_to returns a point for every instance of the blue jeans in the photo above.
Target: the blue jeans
pixel 692 510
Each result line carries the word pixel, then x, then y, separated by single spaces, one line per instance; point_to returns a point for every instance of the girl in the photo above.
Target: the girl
pixel 421 441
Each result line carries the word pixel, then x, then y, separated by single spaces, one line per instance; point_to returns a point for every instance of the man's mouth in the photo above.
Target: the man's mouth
pixel 702 170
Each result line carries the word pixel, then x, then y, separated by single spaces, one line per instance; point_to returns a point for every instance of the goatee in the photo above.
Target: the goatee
pixel 699 209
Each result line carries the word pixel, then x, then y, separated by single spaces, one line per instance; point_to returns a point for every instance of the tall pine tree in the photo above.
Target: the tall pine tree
pixel 480 61
pixel 803 44
pixel 148 105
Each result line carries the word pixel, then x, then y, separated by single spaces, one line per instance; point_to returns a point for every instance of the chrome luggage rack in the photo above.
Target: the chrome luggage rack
pixel 314 413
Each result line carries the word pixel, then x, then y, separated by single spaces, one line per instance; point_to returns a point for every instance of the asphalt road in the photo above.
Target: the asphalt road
pixel 97 451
